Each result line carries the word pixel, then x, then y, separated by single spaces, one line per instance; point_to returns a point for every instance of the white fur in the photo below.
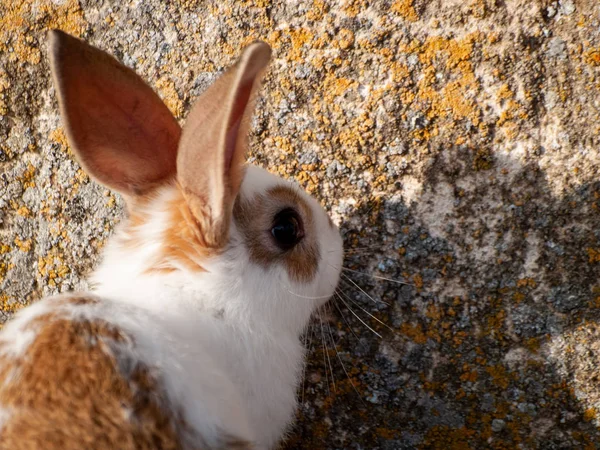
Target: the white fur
pixel 17 335
pixel 226 340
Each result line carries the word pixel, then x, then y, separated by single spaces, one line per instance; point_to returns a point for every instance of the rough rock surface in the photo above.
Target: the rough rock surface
pixel 455 141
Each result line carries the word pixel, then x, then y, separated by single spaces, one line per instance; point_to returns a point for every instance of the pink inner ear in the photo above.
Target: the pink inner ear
pixel 237 114
pixel 130 143
pixel 121 131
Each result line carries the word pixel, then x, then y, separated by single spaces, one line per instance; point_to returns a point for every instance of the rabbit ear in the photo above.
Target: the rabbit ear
pixel 120 130
pixel 210 164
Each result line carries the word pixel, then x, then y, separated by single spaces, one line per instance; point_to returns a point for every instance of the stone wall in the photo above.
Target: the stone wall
pixel 456 143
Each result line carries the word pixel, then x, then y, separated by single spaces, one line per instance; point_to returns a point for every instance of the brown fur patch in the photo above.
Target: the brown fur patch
pixel 70 391
pixel 255 219
pixel 69 394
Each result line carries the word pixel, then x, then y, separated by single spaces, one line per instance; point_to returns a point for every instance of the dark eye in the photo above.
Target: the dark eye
pixel 287 229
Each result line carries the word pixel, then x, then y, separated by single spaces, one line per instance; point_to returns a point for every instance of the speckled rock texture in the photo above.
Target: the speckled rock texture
pixel 456 142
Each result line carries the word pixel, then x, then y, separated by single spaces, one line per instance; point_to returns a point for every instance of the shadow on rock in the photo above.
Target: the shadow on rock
pixel 493 341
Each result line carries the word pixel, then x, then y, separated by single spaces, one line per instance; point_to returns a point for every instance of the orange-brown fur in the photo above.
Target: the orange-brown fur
pixel 182 242
pixel 66 393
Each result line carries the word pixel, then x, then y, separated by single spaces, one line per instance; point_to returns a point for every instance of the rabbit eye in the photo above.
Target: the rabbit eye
pixel 287 229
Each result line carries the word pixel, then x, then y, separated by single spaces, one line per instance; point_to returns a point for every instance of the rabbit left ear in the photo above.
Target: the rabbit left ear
pixel 120 130
pixel 210 164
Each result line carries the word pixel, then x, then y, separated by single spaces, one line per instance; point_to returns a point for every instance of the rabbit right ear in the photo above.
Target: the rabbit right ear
pixel 210 164
pixel 120 130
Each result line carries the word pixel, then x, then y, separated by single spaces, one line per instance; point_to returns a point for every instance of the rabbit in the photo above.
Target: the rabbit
pixel 190 335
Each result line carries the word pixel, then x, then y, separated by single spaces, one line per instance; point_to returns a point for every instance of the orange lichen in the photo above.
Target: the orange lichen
pixel 24 246
pixel 335 87
pixel 318 10
pixel 4 85
pixel 19 19
pixel 405 9
pixel 414 332
pixel 300 39
pixel 345 39
pixel 24 211
pixel 499 375
pixel 455 98
pixel 526 282
pixel 443 437
pixel 169 95
pixel 353 7
pixel 593 254
pixel 9 306
pixel 592 57
pixel 590 414
pixel 52 266
pixel 27 177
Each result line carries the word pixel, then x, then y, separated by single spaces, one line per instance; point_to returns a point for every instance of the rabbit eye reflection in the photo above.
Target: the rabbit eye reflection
pixel 287 229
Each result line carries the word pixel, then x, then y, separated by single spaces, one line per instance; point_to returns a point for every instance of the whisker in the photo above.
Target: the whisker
pixel 347 297
pixel 311 339
pixel 344 319
pixel 355 315
pixel 304 363
pixel 391 280
pixel 362 290
pixel 344 367
pixel 327 353
pixel 324 355
pixel 356 249
pixel 371 208
pixel 308 297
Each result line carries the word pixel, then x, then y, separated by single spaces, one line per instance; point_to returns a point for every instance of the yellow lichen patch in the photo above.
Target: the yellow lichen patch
pixel 168 93
pixel 4 85
pixel 469 374
pixel 335 87
pixel 526 282
pixel 27 177
pixel 353 7
pixel 405 9
pixel 483 159
pixel 345 39
pixel 9 306
pixel 592 57
pixel 300 39
pixel 400 73
pixel 443 437
pixel 24 246
pixel 318 10
pixel 51 266
pixel 81 177
pixel 593 254
pixel 455 98
pixel 418 280
pixel 504 93
pixel 3 270
pixel 20 20
pixel 24 211
pixel 59 137
pixel 414 332
pixel 590 414
pixel 499 375
pixel 478 8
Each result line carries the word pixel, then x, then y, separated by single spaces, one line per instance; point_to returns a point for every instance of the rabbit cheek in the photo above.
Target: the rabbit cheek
pixel 254 217
pixel 77 384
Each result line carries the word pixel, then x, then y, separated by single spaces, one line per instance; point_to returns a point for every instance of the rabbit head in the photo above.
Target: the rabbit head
pixel 205 230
